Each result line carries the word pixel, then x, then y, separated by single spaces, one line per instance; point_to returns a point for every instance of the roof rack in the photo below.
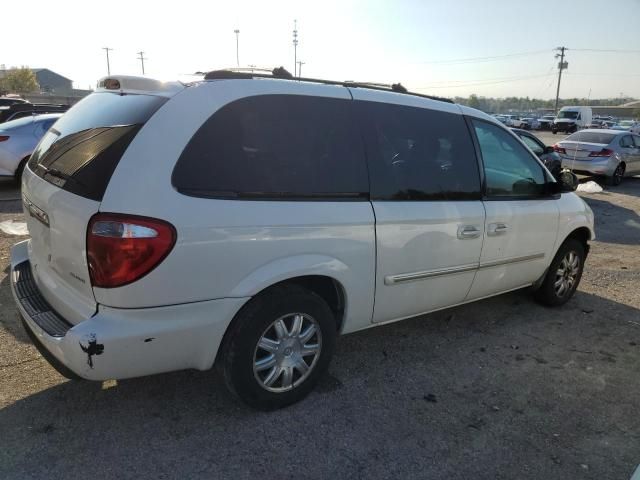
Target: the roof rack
pixel 282 74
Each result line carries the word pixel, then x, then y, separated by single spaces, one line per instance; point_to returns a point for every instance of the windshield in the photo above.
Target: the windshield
pixel 591 137
pixel 568 114
pixel 626 123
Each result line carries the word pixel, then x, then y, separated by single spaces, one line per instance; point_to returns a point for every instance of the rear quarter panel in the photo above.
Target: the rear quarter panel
pixel 235 248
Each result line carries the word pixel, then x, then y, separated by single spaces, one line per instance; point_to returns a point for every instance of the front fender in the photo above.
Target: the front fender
pixel 574 214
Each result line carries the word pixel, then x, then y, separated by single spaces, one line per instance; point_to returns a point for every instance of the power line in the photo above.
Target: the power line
pixel 493 81
pixel 484 59
pixel 603 50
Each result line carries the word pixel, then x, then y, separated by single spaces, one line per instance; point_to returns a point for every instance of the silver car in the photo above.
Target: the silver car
pixel 18 138
pixel 613 154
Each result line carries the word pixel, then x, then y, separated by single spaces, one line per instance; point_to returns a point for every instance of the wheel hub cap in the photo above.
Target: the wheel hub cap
pixel 287 352
pixel 567 274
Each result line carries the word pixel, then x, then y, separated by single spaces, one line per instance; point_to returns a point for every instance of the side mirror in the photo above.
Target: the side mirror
pixel 548 150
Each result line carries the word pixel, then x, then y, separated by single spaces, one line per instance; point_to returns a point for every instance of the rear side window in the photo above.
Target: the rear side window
pixel 275 146
pixel 418 154
pixel 80 153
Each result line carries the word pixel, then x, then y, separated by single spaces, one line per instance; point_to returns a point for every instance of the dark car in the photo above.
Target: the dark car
pixel 19 110
pixel 8 101
pixel 549 157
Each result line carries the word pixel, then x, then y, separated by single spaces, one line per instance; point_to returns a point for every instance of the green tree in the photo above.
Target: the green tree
pixel 474 102
pixel 19 80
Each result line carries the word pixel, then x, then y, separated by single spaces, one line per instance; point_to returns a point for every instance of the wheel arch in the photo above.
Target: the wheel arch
pixel 328 288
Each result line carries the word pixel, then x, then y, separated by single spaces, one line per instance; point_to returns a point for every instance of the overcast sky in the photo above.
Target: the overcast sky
pixel 433 46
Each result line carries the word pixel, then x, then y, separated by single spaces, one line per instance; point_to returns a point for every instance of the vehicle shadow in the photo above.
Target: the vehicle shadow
pixel 610 217
pixel 503 388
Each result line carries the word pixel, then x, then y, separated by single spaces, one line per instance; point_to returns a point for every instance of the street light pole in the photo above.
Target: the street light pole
pixel 107 50
pixel 237 32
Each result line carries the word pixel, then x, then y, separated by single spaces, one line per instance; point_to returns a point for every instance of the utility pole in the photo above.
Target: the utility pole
pixel 562 65
pixel 142 58
pixel 107 50
pixel 237 32
pixel 295 47
pixel 300 63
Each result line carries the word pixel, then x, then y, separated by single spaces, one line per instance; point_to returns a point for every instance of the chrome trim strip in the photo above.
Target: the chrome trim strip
pixel 408 277
pixel 508 261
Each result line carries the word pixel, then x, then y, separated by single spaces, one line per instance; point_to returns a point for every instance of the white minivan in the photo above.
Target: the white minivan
pixel 571 119
pixel 247 220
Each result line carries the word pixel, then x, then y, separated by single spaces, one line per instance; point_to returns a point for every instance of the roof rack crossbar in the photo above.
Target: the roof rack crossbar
pixel 281 73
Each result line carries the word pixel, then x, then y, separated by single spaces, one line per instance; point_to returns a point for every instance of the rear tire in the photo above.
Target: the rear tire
pixel 261 359
pixel 564 274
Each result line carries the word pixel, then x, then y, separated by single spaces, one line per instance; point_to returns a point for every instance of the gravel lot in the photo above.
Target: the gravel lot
pixel 500 389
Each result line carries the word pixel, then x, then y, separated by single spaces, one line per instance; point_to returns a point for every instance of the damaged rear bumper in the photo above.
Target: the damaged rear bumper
pixel 121 343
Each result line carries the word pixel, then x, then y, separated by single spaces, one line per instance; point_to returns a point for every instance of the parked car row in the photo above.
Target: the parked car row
pixel 568 120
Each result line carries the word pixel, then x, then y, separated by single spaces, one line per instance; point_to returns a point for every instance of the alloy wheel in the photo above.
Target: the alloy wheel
pixel 287 352
pixel 567 273
pixel 618 174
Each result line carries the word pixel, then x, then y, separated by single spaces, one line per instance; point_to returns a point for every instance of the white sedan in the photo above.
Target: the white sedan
pixel 18 139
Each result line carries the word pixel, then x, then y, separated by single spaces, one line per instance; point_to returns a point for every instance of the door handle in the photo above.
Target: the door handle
pixel 497 229
pixel 466 232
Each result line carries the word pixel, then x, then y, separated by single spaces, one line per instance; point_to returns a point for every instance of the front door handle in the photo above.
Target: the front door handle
pixel 497 229
pixel 466 232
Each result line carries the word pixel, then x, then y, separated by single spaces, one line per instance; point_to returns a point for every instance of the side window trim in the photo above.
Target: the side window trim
pixel 476 144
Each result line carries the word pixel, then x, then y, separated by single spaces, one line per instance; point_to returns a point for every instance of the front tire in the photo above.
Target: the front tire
pixel 564 274
pixel 280 344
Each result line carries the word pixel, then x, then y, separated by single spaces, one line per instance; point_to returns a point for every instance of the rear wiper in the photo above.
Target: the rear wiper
pixel 54 172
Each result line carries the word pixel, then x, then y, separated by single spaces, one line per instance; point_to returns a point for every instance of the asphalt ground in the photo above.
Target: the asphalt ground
pixel 499 389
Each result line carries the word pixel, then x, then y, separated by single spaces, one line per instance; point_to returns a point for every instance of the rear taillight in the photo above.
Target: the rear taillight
pixel 4 138
pixel 123 248
pixel 605 152
pixel 558 149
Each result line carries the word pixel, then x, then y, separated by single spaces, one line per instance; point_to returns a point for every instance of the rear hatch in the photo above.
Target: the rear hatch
pixel 63 186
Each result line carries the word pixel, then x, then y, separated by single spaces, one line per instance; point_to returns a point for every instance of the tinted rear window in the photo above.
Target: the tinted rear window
pixel 419 154
pixel 591 137
pixel 80 153
pixel 275 146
